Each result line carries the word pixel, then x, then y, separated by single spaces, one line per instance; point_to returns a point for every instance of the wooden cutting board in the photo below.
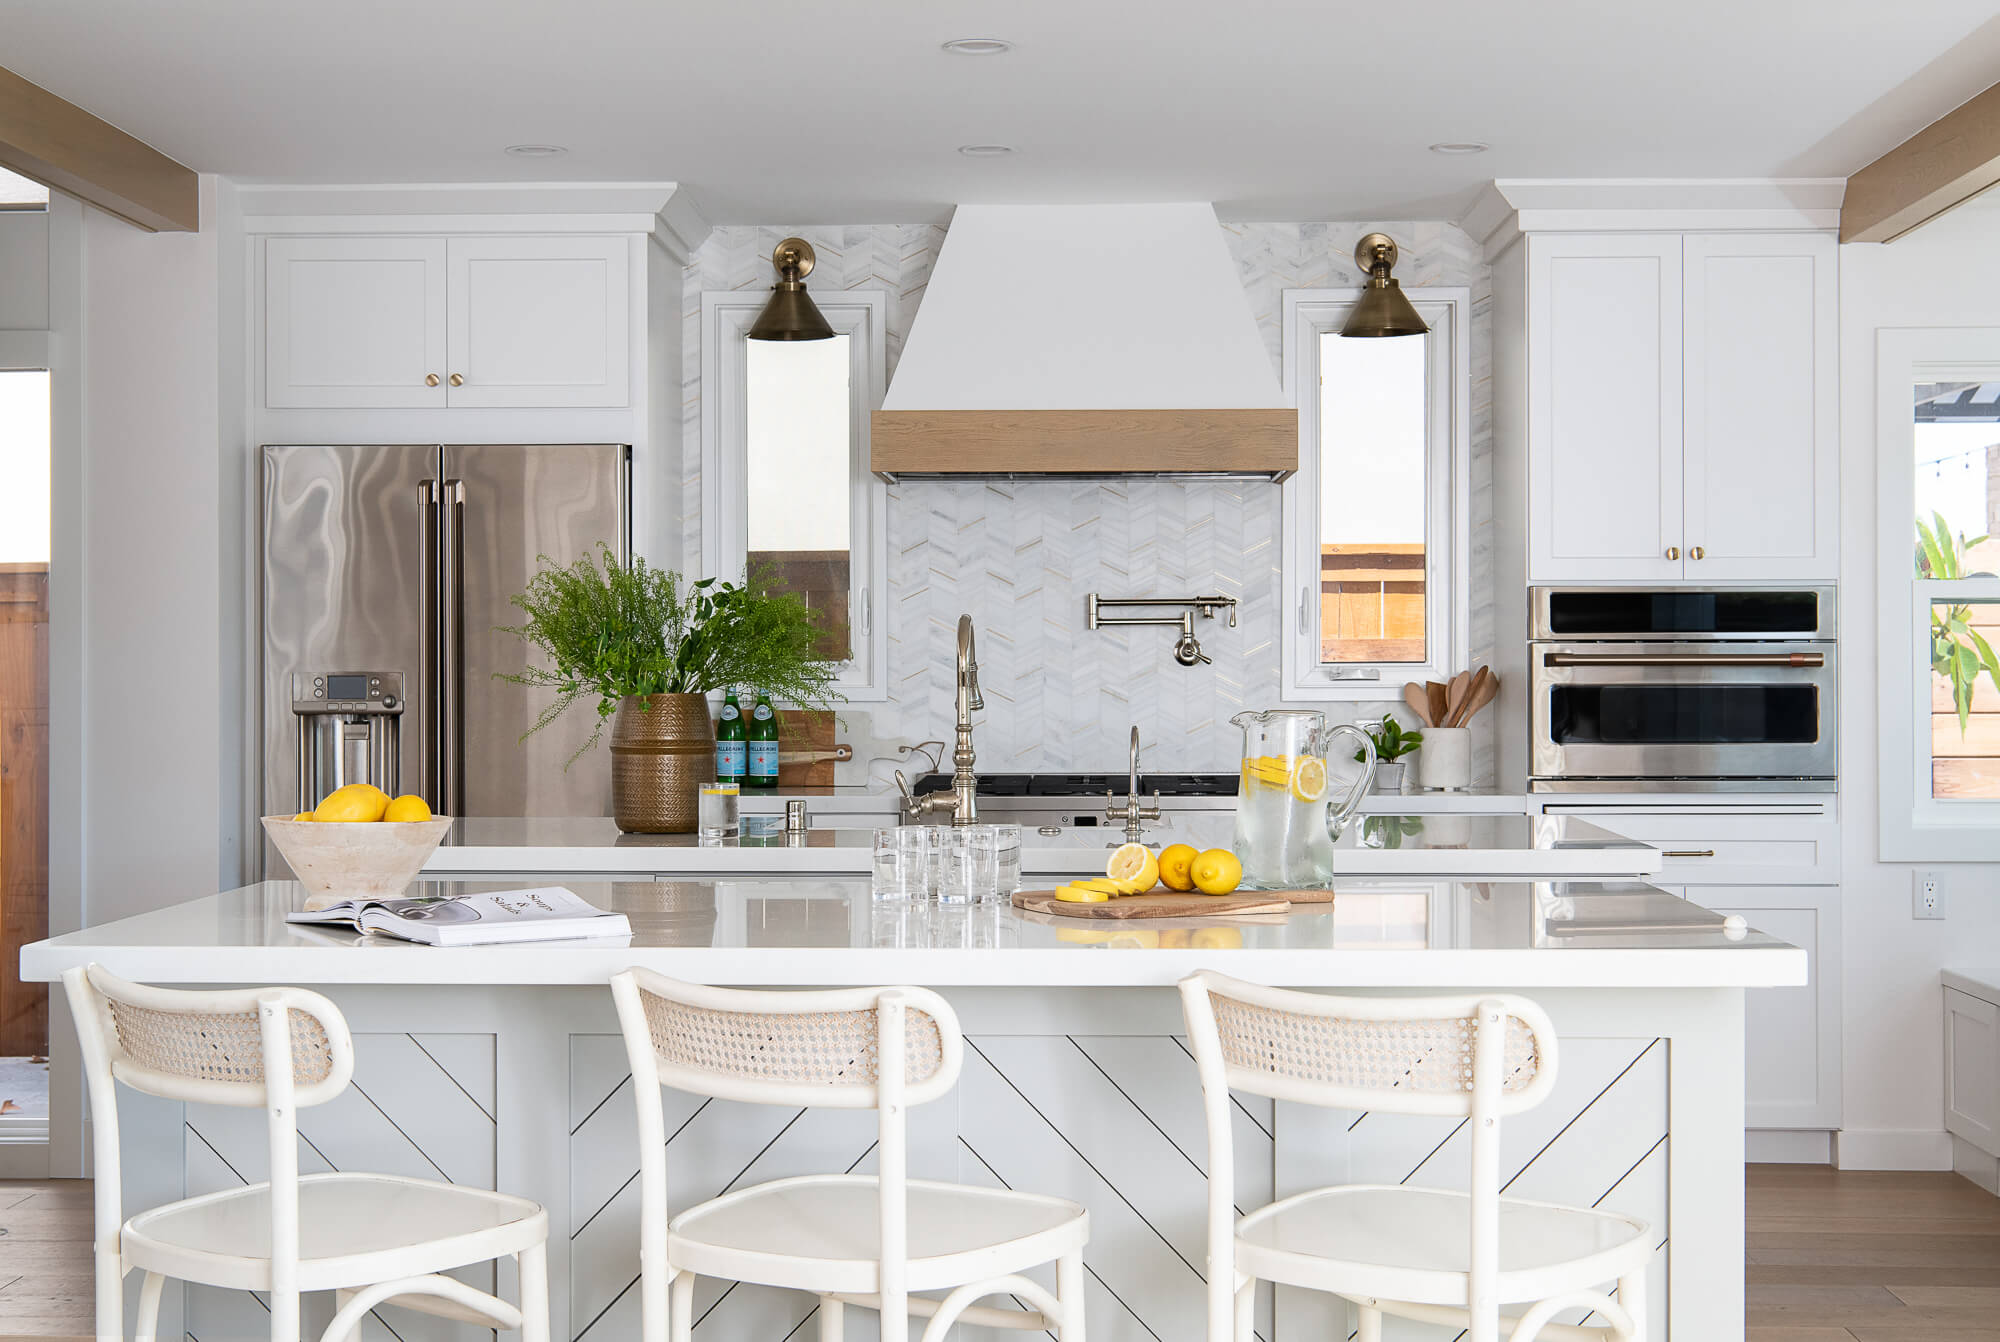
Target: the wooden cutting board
pixel 1166 904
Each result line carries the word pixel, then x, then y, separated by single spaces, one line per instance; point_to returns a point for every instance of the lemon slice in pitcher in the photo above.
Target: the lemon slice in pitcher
pixel 1309 779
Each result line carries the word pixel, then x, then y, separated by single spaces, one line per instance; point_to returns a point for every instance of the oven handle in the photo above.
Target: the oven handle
pixel 1683 659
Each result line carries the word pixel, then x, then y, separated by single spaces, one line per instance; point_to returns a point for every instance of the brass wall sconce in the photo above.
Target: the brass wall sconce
pixel 1383 309
pixel 791 315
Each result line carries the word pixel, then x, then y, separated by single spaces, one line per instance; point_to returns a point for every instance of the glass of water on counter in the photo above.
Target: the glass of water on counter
pixel 905 862
pixel 980 864
pixel 716 810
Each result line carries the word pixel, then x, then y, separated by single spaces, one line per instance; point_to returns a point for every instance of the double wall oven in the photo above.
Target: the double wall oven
pixel 1728 690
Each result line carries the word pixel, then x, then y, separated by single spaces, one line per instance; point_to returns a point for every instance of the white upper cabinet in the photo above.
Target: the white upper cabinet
pixel 354 322
pixel 396 322
pixel 538 321
pixel 1604 406
pixel 1681 407
pixel 1762 458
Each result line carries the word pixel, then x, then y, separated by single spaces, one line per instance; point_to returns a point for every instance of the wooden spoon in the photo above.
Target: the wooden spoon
pixel 1435 696
pixel 1419 702
pixel 1482 695
pixel 1455 697
pixel 1463 709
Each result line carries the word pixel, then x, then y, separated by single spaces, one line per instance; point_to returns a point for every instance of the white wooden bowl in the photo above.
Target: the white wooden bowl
pixel 355 861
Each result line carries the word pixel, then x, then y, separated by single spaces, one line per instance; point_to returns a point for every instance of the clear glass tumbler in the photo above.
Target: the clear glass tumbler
pixel 905 865
pixel 1007 849
pixel 717 810
pixel 969 869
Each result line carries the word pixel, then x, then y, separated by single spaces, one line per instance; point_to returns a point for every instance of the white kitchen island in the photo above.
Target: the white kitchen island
pixel 502 1067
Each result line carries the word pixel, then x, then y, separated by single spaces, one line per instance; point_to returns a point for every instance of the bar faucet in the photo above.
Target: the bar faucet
pixel 1131 812
pixel 963 799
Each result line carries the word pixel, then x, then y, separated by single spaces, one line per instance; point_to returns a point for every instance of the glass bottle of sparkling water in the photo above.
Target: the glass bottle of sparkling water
pixel 731 746
pixel 762 735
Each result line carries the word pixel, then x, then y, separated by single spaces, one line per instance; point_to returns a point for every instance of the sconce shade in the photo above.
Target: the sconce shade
pixel 1383 309
pixel 791 314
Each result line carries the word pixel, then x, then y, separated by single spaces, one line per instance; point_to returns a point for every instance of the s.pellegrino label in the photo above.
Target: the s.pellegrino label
pixel 762 738
pixel 731 749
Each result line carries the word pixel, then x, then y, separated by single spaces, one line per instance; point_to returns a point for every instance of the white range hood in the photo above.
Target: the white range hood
pixel 1076 340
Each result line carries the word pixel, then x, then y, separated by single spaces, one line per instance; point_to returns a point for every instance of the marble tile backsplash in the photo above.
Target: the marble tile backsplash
pixel 1020 556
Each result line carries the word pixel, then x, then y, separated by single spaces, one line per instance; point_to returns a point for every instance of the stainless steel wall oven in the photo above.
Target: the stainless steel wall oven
pixel 1725 690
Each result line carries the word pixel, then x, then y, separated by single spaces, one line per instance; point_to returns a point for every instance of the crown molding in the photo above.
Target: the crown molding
pixel 664 209
pixel 1506 209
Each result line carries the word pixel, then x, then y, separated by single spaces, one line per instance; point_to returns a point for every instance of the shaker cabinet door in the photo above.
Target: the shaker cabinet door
pixel 1762 446
pixel 540 321
pixel 1604 407
pixel 354 322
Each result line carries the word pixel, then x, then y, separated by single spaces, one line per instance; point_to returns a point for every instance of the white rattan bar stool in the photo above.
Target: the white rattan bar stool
pixel 850 1239
pixel 370 1238
pixel 1432 1255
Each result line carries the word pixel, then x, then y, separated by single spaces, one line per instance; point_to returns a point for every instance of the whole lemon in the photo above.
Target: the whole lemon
pixel 407 807
pixel 303 815
pixel 1175 861
pixel 1217 872
pixel 357 803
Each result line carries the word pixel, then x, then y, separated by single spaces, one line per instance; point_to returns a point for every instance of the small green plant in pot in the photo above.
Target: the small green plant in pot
pixel 648 647
pixel 1392 743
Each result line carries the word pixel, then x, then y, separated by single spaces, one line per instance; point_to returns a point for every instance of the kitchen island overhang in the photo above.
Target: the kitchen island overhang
pixel 503 1067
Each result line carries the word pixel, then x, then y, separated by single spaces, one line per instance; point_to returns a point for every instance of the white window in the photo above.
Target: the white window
pixel 1938 557
pixel 786 487
pixel 1376 533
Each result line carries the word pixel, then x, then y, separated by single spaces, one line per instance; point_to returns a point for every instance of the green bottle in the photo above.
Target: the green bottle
pixel 762 739
pixel 731 750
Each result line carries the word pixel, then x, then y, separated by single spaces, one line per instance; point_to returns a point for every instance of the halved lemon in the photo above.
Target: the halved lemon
pixel 1309 779
pixel 1135 869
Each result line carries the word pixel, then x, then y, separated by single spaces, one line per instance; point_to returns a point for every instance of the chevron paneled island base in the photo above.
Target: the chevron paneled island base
pixel 502 1067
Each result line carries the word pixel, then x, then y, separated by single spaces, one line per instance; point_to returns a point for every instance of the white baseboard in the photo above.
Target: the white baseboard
pixel 1892 1149
pixel 1773 1146
pixel 24 1159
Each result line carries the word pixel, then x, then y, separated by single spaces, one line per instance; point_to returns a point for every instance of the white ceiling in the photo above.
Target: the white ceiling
pixel 797 112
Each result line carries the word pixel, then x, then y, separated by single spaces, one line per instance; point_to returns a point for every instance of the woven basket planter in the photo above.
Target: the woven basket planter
pixel 662 751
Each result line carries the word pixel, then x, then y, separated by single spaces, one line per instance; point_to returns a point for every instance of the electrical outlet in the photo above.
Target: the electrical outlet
pixel 1927 894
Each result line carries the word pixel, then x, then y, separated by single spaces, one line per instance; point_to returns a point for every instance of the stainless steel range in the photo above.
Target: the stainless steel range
pixel 1727 690
pixel 1080 799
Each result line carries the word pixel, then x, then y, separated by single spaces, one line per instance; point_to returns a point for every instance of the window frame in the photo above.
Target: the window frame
pixel 861 315
pixel 1309 313
pixel 1914 825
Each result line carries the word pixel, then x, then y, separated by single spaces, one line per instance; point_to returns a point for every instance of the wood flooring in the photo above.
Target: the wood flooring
pixel 1834 1256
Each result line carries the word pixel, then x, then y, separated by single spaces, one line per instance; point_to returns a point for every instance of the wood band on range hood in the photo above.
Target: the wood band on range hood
pixel 1246 442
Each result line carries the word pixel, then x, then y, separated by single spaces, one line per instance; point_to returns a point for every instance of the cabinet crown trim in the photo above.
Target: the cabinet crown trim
pixel 1507 208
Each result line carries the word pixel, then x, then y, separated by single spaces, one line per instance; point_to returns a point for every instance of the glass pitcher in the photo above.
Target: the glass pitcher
pixel 1285 826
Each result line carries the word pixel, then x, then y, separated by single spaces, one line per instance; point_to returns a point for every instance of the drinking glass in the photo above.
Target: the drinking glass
pixel 905 862
pixel 1007 849
pixel 969 871
pixel 716 810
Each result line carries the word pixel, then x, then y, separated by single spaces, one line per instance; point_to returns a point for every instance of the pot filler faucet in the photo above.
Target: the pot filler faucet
pixel 962 802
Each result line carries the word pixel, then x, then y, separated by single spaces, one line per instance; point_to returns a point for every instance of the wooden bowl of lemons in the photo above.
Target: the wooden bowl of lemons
pixel 358 843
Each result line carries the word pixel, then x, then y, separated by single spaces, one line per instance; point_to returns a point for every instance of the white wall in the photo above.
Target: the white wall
pixel 1947 274
pixel 152 726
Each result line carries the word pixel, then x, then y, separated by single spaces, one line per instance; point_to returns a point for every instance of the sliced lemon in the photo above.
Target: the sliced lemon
pixel 1101 885
pixel 1135 869
pixel 1309 779
pixel 1076 894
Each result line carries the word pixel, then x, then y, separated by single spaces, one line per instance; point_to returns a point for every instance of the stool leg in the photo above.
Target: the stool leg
pixel 110 1296
pixel 149 1307
pixel 680 1313
pixel 1371 1325
pixel 1632 1295
pixel 534 1293
pixel 832 1319
pixel 1069 1292
pixel 1246 1311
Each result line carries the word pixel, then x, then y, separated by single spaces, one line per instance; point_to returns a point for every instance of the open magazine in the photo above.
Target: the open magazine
pixel 546 913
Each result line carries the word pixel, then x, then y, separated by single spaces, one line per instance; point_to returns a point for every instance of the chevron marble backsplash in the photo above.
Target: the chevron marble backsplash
pixel 1021 556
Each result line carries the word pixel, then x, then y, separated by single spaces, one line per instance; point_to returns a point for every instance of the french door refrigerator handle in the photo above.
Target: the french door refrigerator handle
pixel 431 784
pixel 451 651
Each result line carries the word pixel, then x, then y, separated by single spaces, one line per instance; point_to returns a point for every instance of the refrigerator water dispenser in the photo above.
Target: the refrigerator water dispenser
pixel 349 730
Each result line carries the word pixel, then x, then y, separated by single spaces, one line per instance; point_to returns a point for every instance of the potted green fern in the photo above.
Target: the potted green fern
pixel 648 647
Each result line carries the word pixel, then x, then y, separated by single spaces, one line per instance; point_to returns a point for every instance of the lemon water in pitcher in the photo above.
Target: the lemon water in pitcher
pixel 1285 827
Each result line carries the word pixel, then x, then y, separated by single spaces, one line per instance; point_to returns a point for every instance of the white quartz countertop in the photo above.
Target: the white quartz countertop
pixel 801 931
pixel 1495 846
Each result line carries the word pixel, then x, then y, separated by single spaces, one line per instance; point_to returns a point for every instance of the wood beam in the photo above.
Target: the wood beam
pixel 60 145
pixel 1947 162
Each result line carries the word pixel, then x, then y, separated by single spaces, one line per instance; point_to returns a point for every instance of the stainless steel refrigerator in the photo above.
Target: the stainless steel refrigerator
pixel 386 571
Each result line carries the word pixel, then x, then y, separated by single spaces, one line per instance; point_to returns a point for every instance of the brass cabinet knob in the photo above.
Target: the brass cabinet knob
pixel 1695 553
pixel 458 380
pixel 1673 552
pixel 430 379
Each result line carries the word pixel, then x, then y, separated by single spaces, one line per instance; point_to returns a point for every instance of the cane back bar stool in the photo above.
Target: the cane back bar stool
pixel 1432 1255
pixel 851 1239
pixel 369 1238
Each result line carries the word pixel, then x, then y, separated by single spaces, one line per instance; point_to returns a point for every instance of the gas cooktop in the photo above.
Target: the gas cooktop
pixel 1087 785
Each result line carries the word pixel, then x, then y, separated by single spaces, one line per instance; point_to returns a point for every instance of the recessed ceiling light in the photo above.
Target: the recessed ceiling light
pixel 1460 147
pixel 986 150
pixel 979 46
pixel 536 150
